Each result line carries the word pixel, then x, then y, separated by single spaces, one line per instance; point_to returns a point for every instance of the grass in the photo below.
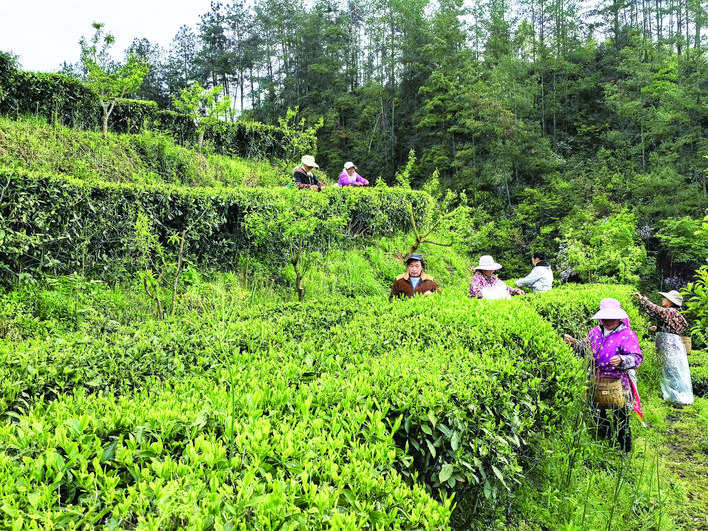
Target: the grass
pixel 150 158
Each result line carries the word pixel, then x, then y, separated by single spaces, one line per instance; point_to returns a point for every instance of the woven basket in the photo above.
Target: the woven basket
pixel 686 343
pixel 608 392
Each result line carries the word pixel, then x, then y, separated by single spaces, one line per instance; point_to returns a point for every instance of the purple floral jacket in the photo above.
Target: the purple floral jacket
pixel 479 282
pixel 622 342
pixel 345 181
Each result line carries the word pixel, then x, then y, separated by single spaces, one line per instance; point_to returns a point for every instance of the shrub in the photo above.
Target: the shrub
pixel 55 225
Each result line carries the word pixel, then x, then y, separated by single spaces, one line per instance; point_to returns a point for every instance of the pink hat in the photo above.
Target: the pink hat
pixel 610 309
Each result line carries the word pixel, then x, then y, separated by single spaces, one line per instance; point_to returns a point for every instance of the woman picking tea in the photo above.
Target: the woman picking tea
pixel 616 355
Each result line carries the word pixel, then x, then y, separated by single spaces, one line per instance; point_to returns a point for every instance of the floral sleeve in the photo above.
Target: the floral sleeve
pixel 670 316
pixel 515 291
pixel 476 288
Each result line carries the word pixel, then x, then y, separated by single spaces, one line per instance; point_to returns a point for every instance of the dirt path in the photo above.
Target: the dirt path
pixel 685 454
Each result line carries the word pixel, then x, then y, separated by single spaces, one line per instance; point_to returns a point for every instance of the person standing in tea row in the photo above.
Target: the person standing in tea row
pixel 676 383
pixel 615 356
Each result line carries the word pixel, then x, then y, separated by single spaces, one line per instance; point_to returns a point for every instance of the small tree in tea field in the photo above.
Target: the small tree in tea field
pixel 199 103
pixel 110 80
pixel 446 219
pixel 295 230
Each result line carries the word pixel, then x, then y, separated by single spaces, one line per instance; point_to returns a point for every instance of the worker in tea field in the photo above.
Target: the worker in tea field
pixel 349 176
pixel 486 284
pixel 415 281
pixel 304 178
pixel 540 278
pixel 615 356
pixel 676 383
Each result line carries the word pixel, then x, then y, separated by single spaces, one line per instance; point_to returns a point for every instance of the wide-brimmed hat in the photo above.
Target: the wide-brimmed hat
pixel 309 160
pixel 673 296
pixel 610 309
pixel 348 165
pixel 415 256
pixel 487 263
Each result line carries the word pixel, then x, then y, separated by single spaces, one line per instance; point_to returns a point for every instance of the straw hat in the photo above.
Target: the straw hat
pixel 309 160
pixel 487 263
pixel 610 309
pixel 673 296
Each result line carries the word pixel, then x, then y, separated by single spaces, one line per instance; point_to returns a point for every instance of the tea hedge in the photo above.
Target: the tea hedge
pixel 62 99
pixel 698 361
pixel 283 415
pixel 56 225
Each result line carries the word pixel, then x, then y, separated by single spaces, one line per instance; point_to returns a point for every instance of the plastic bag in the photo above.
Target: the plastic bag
pixel 676 383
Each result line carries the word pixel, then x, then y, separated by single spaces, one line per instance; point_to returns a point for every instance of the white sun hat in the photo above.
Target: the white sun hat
pixel 487 263
pixel 309 160
pixel 674 296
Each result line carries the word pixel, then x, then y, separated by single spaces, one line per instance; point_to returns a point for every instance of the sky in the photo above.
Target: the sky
pixel 45 33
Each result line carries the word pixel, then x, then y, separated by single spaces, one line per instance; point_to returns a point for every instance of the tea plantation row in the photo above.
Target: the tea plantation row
pixel 354 414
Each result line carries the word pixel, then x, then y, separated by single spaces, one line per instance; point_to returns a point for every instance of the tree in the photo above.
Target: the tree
pixel 110 80
pixel 180 68
pixel 153 86
pixel 199 103
pixel 602 248
pixel 295 231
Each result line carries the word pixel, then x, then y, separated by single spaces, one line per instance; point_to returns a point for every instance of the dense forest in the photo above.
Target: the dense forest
pixel 558 118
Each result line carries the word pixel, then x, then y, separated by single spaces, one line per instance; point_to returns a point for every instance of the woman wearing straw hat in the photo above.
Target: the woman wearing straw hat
pixel 616 355
pixel 304 178
pixel 486 284
pixel 676 383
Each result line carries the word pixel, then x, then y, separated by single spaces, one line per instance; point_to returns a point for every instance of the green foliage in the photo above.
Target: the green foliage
pixel 109 81
pixel 601 245
pixel 64 100
pixel 145 158
pixel 699 372
pixel 372 409
pixel 295 229
pixel 684 241
pixel 202 104
pixel 403 177
pixel 59 99
pixel 57 225
pixel 695 296
pixel 302 139
pixel 360 391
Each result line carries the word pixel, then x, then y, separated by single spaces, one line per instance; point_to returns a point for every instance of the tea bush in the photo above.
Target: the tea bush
pixel 55 225
pixel 64 100
pixel 698 361
pixel 307 412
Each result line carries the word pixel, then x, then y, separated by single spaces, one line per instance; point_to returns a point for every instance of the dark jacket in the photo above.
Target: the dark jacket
pixel 304 178
pixel 402 286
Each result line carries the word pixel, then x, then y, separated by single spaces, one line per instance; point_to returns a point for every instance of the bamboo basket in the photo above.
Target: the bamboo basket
pixel 686 343
pixel 608 392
